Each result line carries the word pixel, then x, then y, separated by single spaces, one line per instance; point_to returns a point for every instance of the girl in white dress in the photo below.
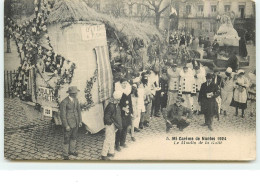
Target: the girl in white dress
pixel 240 92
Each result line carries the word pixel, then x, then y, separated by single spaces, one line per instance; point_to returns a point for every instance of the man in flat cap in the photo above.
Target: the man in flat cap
pixel 207 100
pixel 70 114
pixel 176 114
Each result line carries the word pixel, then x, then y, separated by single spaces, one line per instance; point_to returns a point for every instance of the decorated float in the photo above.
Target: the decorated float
pixel 229 44
pixel 72 45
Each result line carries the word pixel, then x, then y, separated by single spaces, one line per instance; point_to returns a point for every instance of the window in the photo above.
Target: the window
pixel 227 8
pixel 188 9
pixel 201 8
pixel 213 8
pixel 241 9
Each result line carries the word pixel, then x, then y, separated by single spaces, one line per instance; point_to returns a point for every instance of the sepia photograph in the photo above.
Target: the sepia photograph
pixel 129 80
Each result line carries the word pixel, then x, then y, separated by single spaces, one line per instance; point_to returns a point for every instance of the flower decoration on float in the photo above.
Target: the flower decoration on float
pixel 26 37
pixel 88 95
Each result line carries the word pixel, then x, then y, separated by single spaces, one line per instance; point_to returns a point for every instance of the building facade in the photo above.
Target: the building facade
pixel 201 16
pixel 196 16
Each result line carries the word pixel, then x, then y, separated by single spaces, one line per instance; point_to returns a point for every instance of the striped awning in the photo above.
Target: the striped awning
pixel 105 77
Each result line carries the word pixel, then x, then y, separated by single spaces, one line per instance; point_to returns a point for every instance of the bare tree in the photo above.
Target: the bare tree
pixel 115 8
pixel 157 7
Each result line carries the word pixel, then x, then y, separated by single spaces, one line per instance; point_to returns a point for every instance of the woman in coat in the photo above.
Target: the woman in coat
pixel 240 92
pixel 207 100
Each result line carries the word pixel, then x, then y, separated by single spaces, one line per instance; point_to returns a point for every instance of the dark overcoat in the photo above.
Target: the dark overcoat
pixel 208 105
pixel 126 101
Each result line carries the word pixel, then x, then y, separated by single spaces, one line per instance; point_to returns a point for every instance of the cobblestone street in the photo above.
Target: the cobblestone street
pixel 36 139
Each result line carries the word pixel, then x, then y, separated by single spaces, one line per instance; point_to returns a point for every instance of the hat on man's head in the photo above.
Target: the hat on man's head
pixel 229 70
pixel 117 95
pixel 72 90
pixel 209 76
pixel 179 99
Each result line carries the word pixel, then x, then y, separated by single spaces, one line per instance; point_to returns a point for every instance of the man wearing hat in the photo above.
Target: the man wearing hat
pixel 227 90
pixel 207 100
pixel 70 114
pixel 176 114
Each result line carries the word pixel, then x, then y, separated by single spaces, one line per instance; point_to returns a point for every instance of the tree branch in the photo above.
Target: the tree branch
pixel 163 9
pixel 153 9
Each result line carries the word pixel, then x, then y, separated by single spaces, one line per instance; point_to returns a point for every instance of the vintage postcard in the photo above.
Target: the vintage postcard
pixel 130 80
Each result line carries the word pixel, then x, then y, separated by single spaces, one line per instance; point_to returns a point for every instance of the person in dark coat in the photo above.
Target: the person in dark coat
pixel 217 80
pixel 113 122
pixel 183 40
pixel 207 100
pixel 164 89
pixel 242 47
pixel 176 114
pixel 126 113
pixel 70 114
pixel 233 62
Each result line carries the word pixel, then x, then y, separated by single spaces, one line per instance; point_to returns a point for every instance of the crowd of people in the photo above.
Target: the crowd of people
pixel 175 93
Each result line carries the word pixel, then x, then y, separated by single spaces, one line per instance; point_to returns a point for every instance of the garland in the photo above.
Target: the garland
pixel 28 36
pixel 88 95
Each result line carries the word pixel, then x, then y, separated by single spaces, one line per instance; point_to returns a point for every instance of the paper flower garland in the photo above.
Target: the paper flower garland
pixel 27 37
pixel 88 95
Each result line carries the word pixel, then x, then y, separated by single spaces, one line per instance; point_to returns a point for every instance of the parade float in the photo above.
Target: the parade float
pixel 72 45
pixel 229 44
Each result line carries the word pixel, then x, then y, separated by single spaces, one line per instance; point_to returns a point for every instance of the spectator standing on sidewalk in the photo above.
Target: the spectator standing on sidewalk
pixel 113 124
pixel 70 114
